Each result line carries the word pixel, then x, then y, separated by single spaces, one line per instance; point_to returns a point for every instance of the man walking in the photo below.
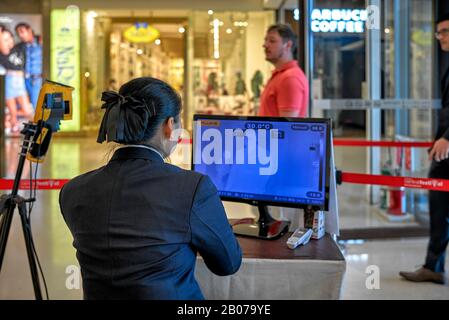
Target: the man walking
pixel 287 92
pixel 433 269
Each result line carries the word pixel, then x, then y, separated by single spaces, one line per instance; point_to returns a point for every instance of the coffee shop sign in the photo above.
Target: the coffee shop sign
pixel 339 20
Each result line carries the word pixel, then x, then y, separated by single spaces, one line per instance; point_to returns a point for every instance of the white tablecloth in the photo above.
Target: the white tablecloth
pixel 267 279
pixel 274 279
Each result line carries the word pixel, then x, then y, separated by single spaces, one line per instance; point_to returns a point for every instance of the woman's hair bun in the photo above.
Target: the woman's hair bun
pixel 136 112
pixel 126 118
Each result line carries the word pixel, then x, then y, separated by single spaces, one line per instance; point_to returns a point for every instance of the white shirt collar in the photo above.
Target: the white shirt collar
pixel 144 147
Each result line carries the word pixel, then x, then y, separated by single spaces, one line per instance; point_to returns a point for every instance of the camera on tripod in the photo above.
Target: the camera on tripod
pixel 54 104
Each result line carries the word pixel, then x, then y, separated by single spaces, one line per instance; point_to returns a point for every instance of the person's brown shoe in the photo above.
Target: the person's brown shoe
pixel 424 274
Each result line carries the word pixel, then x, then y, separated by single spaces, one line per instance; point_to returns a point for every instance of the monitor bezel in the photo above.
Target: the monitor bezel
pixel 325 121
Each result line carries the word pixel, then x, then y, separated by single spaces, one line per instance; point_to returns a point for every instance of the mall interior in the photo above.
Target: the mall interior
pixel 376 82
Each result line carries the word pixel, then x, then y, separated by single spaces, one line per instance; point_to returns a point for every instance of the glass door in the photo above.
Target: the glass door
pixel 371 71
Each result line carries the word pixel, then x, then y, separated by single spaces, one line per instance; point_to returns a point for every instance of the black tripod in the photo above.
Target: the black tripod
pixel 8 204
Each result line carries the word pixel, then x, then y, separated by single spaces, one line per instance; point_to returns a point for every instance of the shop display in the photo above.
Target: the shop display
pixel 256 83
pixel 222 72
pixel 131 60
pixel 211 91
pixel 21 64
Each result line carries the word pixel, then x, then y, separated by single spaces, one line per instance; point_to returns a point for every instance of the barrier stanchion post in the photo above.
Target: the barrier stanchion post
pixel 387 170
pixel 397 194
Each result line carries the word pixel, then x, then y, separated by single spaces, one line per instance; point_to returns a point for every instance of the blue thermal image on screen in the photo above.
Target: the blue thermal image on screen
pixel 263 160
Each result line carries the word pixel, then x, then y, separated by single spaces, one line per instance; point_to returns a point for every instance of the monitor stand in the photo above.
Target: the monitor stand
pixel 264 228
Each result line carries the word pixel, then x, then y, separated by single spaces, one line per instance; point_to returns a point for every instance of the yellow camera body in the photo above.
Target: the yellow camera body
pixel 54 104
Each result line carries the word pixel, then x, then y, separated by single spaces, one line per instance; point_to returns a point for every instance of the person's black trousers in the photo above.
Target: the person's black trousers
pixel 439 219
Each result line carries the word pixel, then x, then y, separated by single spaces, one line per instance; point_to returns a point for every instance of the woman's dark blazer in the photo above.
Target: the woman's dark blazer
pixel 138 223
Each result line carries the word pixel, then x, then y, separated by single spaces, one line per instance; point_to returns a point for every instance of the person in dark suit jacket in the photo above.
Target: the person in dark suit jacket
pixel 138 222
pixel 433 269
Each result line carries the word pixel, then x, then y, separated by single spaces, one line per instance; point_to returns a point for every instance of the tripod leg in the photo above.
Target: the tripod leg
pixel 29 246
pixel 8 210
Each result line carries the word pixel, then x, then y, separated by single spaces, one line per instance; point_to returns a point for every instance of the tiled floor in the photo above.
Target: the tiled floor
pixel 69 157
pixel 390 257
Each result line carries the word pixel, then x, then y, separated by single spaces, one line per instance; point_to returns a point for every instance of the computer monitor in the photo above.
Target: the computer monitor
pixel 265 161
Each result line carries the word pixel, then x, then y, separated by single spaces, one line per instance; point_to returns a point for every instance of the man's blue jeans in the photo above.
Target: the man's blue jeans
pixel 33 86
pixel 439 219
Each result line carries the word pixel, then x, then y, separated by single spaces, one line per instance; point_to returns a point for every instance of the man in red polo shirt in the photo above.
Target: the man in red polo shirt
pixel 287 92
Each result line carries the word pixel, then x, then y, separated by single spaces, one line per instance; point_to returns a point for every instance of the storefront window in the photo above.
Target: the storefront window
pixel 339 57
pixel 226 72
pixel 420 34
pixel 155 57
pixel 421 62
pixel 229 68
pixel 118 48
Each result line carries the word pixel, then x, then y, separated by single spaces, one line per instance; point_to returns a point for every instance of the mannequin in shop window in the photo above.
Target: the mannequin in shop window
pixel 138 222
pixel 240 95
pixel 212 90
pixel 256 88
pixel 240 86
pixel 256 84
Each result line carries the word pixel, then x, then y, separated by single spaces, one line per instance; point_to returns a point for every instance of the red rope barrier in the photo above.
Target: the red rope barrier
pixel 392 181
pixel 41 184
pixel 355 178
pixel 365 143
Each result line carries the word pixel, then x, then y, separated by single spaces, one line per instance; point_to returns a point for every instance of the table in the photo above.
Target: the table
pixel 272 271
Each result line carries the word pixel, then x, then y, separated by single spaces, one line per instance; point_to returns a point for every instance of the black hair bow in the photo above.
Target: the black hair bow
pixel 125 120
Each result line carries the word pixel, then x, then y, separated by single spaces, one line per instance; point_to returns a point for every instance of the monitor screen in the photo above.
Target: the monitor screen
pixel 260 160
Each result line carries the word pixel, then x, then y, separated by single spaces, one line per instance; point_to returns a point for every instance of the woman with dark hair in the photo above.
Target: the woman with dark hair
pixel 138 222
